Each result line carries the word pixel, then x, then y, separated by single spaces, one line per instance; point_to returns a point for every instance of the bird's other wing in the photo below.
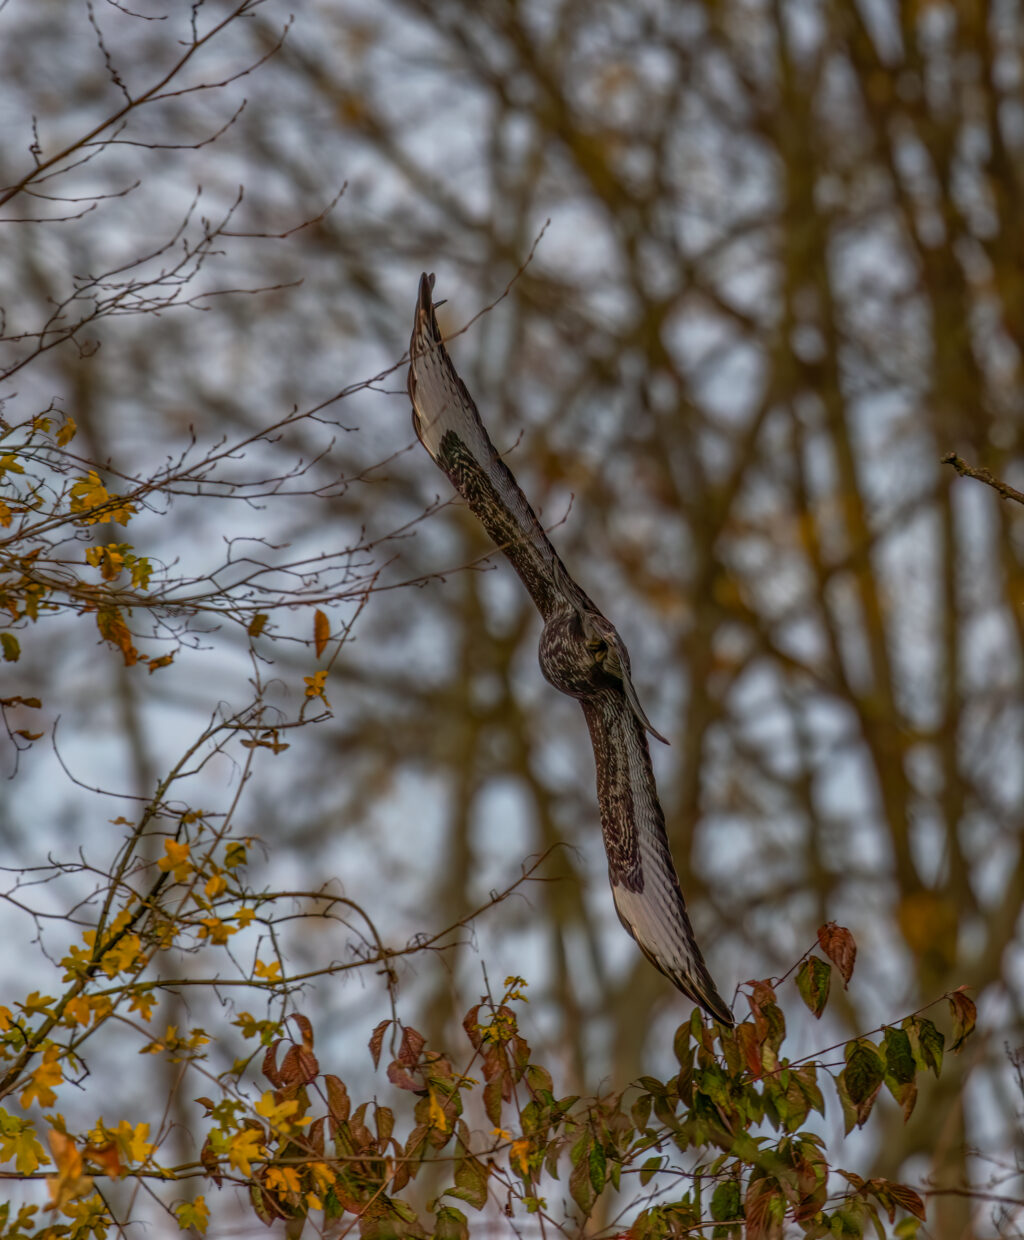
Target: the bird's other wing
pixel 644 882
pixel 448 425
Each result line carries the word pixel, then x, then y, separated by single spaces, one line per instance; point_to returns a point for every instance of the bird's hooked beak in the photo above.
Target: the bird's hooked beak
pixel 610 652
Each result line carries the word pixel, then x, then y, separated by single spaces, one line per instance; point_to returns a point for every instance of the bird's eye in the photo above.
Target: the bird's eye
pixel 598 649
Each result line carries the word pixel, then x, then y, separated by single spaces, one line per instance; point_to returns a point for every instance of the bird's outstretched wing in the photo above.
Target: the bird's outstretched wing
pixel 448 425
pixel 581 653
pixel 645 886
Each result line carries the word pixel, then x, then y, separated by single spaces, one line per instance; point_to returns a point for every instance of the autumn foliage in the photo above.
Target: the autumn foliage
pixel 781 284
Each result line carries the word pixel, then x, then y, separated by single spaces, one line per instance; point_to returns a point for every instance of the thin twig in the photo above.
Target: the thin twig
pixel 982 475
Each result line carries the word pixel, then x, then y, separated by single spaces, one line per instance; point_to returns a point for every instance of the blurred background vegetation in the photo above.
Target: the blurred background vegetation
pixel 783 275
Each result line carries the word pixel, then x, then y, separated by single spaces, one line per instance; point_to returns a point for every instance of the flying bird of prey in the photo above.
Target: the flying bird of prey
pixel 581 654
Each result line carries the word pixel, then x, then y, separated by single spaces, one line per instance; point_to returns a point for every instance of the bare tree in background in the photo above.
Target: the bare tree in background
pixel 782 279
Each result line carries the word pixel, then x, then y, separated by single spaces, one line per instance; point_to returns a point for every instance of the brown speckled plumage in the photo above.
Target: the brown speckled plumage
pixel 581 654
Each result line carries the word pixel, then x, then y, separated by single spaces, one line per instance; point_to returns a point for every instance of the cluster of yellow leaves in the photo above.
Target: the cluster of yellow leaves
pixel 217 931
pixel 92 502
pixel 180 1046
pixel 130 1142
pixel 87 1009
pixel 115 558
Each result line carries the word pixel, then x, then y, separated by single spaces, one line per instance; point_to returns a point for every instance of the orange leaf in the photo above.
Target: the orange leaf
pixel 69 1182
pixel 321 631
pixel 107 1157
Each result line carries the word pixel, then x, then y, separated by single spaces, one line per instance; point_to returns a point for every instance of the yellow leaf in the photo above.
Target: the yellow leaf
pixel 43 1079
pixel 11 647
pixel 79 1009
pixel 269 972
pixel 18 1141
pixel 257 623
pixel 133 1141
pixel 37 1004
pixel 6 1019
pixel 435 1114
pixel 143 1002
pixel 519 1155
pixel 283 1180
pixel 315 685
pixel 66 432
pixel 321 631
pixel 243 1147
pixel 323 1175
pixel 193 1214
pixel 244 916
pixel 215 886
pixel 177 860
pixel 113 629
pixel 280 1115
pixel 5 514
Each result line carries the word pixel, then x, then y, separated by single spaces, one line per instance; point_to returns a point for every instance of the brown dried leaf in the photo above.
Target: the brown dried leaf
pixel 746 1036
pixel 309 1067
pixel 471 1024
pixel 401 1079
pixel 315 1135
pixel 337 1099
pixel 270 1068
pixel 965 1017
pixel 377 1041
pixel 412 1043
pixel 908 1199
pixel 305 1029
pixel 210 1162
pixel 838 944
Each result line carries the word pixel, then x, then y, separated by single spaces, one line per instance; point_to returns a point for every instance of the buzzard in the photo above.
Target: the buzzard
pixel 581 654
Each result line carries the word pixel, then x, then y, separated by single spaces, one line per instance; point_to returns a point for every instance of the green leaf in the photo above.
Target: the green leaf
pixel 813 979
pixel 641 1111
pixel 726 1202
pixel 927 1042
pixel 650 1169
pixel 450 1224
pixel 899 1056
pixel 11 648
pixel 470 1182
pixel 598 1167
pixel 580 1185
pixel 863 1071
pixel 681 1044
